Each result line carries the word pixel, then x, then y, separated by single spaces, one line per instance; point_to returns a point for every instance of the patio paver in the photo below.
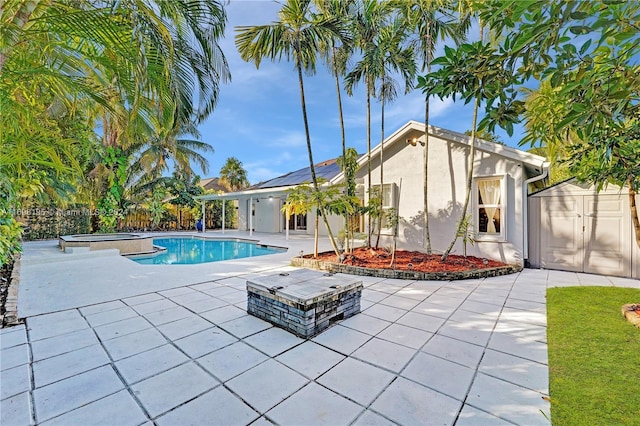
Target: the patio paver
pixel 321 359
pixel 266 385
pixel 408 403
pixel 117 409
pixel 316 405
pixel 347 378
pixel 218 406
pixel 74 392
pixel 171 388
pixel 231 360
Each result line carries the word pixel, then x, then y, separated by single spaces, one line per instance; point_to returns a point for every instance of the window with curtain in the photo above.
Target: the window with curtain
pixel 489 207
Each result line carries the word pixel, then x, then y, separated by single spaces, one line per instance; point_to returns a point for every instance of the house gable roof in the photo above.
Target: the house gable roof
pixel 213 183
pixel 532 162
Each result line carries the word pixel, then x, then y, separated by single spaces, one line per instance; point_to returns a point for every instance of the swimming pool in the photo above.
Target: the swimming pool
pixel 192 250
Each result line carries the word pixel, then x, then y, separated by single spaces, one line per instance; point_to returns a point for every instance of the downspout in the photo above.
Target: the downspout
pixel 250 216
pixel 525 207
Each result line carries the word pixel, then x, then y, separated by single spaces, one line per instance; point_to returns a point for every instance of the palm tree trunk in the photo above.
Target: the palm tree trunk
pixel 316 237
pixel 20 20
pixel 347 220
pixel 341 115
pixel 311 165
pixel 427 234
pixel 469 179
pixel 381 165
pixel 369 158
pixel 634 212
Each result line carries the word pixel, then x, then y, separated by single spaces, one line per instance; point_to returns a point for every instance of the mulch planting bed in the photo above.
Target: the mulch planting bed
pixel 411 261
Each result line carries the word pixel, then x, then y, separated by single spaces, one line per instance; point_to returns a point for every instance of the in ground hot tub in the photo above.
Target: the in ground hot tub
pixel 126 243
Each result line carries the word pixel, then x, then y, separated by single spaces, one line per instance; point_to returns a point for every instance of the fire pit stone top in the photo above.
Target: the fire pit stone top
pixel 305 287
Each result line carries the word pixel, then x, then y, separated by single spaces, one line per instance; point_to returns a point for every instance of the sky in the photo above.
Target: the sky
pixel 258 118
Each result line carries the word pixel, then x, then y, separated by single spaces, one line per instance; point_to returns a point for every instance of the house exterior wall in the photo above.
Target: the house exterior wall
pixel 601 220
pixel 335 222
pixel 448 166
pixel 535 222
pixel 243 214
pixel 267 218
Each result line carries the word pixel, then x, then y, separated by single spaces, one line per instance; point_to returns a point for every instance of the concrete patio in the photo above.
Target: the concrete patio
pixel 108 341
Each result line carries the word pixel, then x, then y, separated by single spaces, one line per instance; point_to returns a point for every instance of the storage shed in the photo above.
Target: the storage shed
pixel 572 227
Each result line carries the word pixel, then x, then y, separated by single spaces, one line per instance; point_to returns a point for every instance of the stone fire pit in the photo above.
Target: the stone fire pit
pixel 304 302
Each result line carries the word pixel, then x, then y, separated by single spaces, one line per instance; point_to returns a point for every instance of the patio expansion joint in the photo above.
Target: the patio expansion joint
pixel 32 381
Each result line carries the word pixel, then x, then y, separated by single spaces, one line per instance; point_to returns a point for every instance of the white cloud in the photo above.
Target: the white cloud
pixel 438 108
pixel 279 163
pixel 288 139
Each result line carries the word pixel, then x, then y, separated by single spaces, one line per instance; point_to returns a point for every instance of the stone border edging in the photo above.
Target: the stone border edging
pixel 10 317
pixel 305 262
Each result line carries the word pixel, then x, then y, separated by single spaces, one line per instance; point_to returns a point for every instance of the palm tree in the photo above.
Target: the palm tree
pixel 297 35
pixel 429 21
pixel 187 32
pixel 233 175
pixel 370 17
pixel 336 56
pixel 181 59
pixel 151 157
pixel 392 58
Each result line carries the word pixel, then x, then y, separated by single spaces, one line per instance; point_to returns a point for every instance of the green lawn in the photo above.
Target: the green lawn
pixel 594 357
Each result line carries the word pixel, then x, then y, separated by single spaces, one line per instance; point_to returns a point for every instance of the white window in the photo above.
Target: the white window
pixel 489 215
pixel 388 202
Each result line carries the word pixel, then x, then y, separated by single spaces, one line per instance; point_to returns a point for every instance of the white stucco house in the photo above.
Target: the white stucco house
pixel 502 177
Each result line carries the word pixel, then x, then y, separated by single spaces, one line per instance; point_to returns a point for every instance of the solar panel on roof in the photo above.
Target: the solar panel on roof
pixel 297 177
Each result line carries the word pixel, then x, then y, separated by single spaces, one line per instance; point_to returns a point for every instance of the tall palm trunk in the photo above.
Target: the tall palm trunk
pixel 339 94
pixel 369 158
pixel 347 217
pixel 472 152
pixel 20 20
pixel 427 234
pixel 311 165
pixel 381 164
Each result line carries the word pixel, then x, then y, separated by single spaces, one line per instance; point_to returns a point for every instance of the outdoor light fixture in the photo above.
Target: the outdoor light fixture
pixel 414 142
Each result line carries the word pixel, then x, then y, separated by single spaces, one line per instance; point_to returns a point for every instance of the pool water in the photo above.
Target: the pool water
pixel 189 251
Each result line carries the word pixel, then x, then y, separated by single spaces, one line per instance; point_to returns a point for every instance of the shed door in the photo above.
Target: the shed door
pixel 607 248
pixel 586 234
pixel 561 240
